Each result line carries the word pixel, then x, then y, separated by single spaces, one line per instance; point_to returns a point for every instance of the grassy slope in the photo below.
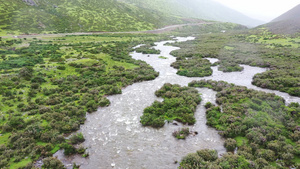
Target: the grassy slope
pixel 78 15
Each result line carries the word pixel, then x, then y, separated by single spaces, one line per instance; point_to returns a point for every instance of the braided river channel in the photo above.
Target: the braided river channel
pixel 115 137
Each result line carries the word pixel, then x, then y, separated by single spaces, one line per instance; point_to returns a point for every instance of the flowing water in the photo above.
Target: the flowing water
pixel 116 139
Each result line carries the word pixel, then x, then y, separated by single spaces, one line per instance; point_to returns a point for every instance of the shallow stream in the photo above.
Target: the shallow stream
pixel 116 139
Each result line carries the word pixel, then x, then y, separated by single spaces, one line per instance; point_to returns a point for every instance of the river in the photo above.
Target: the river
pixel 116 139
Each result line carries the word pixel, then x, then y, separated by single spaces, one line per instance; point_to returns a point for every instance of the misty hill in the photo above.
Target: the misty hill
pixel 35 16
pixel 203 9
pixel 287 23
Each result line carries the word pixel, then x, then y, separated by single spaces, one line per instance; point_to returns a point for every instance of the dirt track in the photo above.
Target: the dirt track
pixel 156 31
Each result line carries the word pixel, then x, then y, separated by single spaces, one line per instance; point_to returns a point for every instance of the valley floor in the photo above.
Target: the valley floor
pixel 49 82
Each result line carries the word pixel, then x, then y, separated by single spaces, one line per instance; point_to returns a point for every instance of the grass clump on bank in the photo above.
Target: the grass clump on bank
pixel 179 104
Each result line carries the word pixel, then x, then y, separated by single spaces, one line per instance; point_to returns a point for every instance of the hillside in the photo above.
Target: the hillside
pixel 293 14
pixel 287 23
pixel 58 16
pixel 203 9
pixel 35 16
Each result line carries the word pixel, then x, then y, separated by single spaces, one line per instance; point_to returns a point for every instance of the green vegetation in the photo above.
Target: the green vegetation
pixel 192 67
pixel 147 49
pixel 258 47
pixel 163 57
pixel 182 133
pixel 179 104
pixel 57 16
pixel 52 162
pixel 50 85
pixel 262 128
pixel 229 67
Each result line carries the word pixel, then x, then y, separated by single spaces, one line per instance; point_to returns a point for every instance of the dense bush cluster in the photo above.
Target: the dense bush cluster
pixel 230 67
pixel 285 80
pixel 208 159
pixel 147 49
pixel 179 104
pixel 192 67
pixel 52 162
pixel 182 133
pixel 263 129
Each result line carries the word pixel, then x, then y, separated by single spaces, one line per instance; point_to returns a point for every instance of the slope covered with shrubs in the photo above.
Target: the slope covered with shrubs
pixel 59 16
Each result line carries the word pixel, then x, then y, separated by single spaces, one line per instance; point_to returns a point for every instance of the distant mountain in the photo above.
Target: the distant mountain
pixel 287 23
pixel 293 14
pixel 202 9
pixel 35 16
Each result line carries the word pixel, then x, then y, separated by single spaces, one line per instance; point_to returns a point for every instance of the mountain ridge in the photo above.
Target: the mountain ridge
pixel 287 23
pixel 292 14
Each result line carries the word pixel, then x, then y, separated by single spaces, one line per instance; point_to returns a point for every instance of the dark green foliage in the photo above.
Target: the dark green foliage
pixel 207 159
pixel 280 79
pixel 262 119
pixel 208 155
pixel 182 133
pixel 80 150
pixel 18 62
pixel 147 49
pixel 230 144
pixel 192 67
pixel 192 160
pixel 16 122
pixel 230 67
pixel 51 163
pixel 208 105
pixel 179 104
pixel 68 149
pixel 26 72
pixel 77 138
pixel 104 102
pixel 61 67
